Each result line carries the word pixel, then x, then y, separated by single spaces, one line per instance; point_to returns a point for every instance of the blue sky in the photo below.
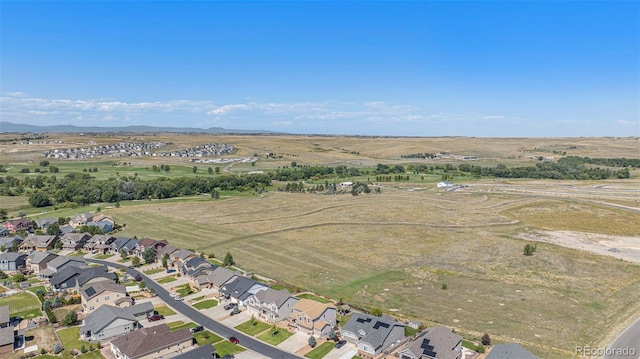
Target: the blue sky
pixel 482 68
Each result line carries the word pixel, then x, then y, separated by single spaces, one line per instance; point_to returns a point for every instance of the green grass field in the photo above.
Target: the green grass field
pixel 154 271
pixel 186 325
pixel 313 297
pixel 268 337
pixel 321 350
pixel 206 304
pixel 226 347
pixel 168 279
pixel 206 337
pixel 104 256
pixel 71 339
pixel 253 328
pixel 25 305
pixel 164 310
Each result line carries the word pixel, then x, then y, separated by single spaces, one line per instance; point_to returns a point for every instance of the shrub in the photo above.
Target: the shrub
pixel 57 348
pixel 486 339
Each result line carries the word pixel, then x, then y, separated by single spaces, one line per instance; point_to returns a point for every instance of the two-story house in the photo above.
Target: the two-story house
pixel 99 243
pixel 312 317
pixel 238 290
pixel 6 333
pixel 76 277
pixel 97 294
pixel 59 263
pixel 12 261
pixel 80 219
pixel 74 241
pixel 19 224
pixel 271 305
pixel 123 244
pixel 37 261
pixel 371 334
pixel 151 343
pixel 35 242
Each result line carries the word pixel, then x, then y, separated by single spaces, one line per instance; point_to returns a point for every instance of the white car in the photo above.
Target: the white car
pixel 173 295
pixel 179 299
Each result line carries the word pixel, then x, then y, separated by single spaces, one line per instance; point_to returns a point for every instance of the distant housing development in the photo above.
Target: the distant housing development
pixel 138 149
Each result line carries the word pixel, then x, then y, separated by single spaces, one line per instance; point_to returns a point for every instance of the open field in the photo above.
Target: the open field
pixel 396 249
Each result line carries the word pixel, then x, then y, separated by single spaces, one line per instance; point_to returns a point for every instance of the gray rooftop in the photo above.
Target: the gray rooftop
pixel 105 314
pixel 509 351
pixel 4 314
pixel 220 276
pixel 36 256
pixel 6 336
pixel 90 291
pixel 238 287
pixel 371 329
pixel 271 295
pixel 206 351
pixel 435 342
pixel 147 340
pixel 12 256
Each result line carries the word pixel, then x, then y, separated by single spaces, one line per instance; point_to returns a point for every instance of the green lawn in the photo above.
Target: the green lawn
pixel 71 339
pixel 177 323
pixel 281 287
pixel 321 351
pixel 186 325
pixel 184 290
pixel 281 336
pixel 34 280
pixel 205 337
pixel 226 347
pixel 124 260
pixel 165 280
pixel 103 256
pixel 153 271
pixel 251 329
pixel 164 310
pixel 409 332
pixel 314 297
pixel 35 289
pixel 198 299
pixel 23 304
pixel 206 304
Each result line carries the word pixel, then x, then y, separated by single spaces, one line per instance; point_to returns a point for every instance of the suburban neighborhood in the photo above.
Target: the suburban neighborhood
pixel 144 298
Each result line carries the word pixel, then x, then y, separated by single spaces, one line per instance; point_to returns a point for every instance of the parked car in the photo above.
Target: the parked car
pixel 173 294
pixel 234 340
pixel 179 299
pixel 171 270
pixel 196 329
pixel 230 306
pixel 155 317
pixel 340 344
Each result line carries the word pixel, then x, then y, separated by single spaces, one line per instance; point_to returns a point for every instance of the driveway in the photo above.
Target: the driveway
pixel 212 325
pixel 237 319
pixel 218 312
pixel 295 342
pixel 348 351
pixel 249 355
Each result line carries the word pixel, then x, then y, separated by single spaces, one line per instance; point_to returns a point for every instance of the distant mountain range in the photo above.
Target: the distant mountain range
pixel 21 128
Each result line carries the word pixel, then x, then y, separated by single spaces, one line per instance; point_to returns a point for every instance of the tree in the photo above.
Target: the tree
pixel 149 255
pixel 142 285
pixel 529 249
pixel 124 254
pixel 165 260
pixel 22 214
pixel 70 319
pixel 486 339
pixel 210 170
pixel 312 341
pixel 217 169
pixel 44 163
pixel 18 277
pixel 376 312
pixel 4 214
pixel 228 260
pixel 53 229
pixel 39 199
pixel 3 248
pixel 83 349
pixel 332 334
pixel 135 262
pixel 194 169
pixel 57 348
pixel 58 244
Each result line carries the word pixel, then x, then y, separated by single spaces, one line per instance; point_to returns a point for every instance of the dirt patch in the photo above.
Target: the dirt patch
pixel 627 248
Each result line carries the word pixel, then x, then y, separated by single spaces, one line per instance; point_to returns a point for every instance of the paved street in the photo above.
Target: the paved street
pixel 627 344
pixel 212 325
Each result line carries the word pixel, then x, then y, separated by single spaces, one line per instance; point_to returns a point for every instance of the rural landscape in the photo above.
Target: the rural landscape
pixel 534 241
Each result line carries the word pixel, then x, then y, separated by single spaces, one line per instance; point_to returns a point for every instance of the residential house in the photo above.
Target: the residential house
pixel 272 305
pixel 12 261
pixel 151 343
pixel 240 289
pixel 20 224
pixel 148 243
pixel 196 266
pixel 74 241
pixel 508 351
pixel 35 242
pixel 80 219
pixel 7 335
pixel 76 277
pixel 126 244
pixel 10 242
pixel 434 343
pixel 371 334
pixel 103 292
pixel 180 256
pixel 109 322
pixel 313 318
pixel 59 263
pixel 206 351
pixel 219 276
pixel 37 261
pixel 66 229
pixel 4 232
pixel 45 222
pixel 168 249
pixel 444 184
pixel 100 243
pixel 106 226
pixel 104 218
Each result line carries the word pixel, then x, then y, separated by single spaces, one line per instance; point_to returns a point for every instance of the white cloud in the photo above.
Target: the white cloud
pixel 493 117
pixel 627 122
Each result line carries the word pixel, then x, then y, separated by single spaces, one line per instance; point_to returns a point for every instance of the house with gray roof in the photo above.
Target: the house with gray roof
pixel 206 351
pixel 122 243
pixel 35 242
pixel 59 263
pixel 66 229
pixel 45 222
pixel 37 261
pixel 240 289
pixel 99 242
pixel 76 277
pixel 509 351
pixel 10 242
pixel 74 241
pixel 11 261
pixel 95 295
pixel 434 343
pixel 109 322
pixel 219 276
pixel 81 219
pixel 6 332
pixel 152 342
pixel 272 305
pixel 371 334
pixel 168 249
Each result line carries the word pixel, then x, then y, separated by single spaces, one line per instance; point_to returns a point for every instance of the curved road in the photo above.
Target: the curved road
pixel 212 325
pixel 627 344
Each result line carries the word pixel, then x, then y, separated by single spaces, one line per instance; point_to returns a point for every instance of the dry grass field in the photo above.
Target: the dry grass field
pixel 395 250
